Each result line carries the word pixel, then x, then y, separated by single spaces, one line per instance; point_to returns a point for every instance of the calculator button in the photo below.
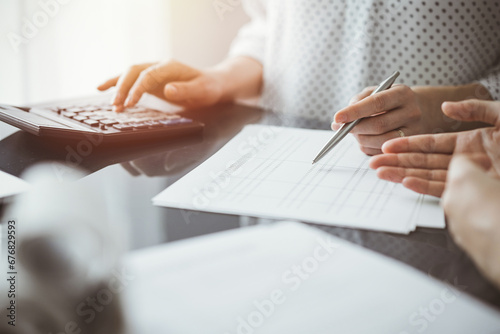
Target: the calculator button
pixel 167 122
pixel 79 118
pixel 155 124
pixel 86 113
pixel 167 116
pixel 75 110
pixel 68 114
pixel 142 125
pixel 123 127
pixel 91 122
pixel 171 122
pixel 108 122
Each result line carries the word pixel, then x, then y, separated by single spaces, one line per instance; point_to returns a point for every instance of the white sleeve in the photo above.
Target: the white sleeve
pixel 251 40
pixel 492 82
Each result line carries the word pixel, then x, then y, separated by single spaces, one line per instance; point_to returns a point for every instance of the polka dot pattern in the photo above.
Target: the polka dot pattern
pixel 317 54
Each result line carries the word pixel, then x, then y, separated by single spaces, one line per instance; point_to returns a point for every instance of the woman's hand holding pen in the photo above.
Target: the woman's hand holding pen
pixel 402 111
pixel 388 114
pixel 177 83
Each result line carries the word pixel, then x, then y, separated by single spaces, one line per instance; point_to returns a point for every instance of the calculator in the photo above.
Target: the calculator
pixel 79 120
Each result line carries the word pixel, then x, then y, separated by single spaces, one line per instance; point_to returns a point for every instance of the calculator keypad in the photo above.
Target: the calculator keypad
pixel 135 118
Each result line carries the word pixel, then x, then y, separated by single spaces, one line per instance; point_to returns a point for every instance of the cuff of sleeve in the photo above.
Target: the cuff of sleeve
pixel 493 86
pixel 492 82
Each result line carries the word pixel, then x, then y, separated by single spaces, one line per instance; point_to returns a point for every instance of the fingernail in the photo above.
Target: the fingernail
pixel 445 105
pixel 127 102
pixel 172 90
pixel 340 119
pixel 384 147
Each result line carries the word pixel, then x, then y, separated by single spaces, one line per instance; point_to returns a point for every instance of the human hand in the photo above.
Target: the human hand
pixel 170 80
pixel 389 114
pixel 421 162
pixel 471 206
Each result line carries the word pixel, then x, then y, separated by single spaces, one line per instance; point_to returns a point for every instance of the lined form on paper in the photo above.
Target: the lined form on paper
pixel 266 171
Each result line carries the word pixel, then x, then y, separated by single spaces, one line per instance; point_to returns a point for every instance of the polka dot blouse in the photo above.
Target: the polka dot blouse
pixel 317 54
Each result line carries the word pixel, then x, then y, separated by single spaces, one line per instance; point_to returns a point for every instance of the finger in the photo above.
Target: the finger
pixel 191 93
pixel 375 104
pixel 376 141
pixel 426 187
pixel 436 143
pixel 364 93
pixel 161 74
pixel 356 98
pixel 125 82
pixel 397 174
pixel 108 84
pixel 385 122
pixel 473 110
pixel 411 160
pixel 147 81
pixel 336 126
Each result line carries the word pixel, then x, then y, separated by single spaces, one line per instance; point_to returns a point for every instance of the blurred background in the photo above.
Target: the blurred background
pixel 54 49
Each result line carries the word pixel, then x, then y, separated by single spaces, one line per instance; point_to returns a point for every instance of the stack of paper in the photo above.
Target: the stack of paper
pixel 267 172
pixel 293 279
pixel 11 185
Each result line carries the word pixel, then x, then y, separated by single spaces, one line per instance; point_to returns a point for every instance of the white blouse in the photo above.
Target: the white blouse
pixel 317 54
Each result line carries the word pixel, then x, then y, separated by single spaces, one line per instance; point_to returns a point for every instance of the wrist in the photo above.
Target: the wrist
pixel 218 78
pixel 239 78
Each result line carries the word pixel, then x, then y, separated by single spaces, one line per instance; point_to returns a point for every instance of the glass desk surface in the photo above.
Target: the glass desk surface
pixel 144 170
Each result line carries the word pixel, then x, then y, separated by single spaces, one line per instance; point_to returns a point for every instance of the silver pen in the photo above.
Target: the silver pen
pixel 347 127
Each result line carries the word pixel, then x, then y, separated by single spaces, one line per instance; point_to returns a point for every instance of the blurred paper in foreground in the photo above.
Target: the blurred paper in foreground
pixel 11 185
pixel 290 278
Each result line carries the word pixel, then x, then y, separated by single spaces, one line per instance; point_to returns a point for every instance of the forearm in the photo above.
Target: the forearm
pixel 432 97
pixel 240 77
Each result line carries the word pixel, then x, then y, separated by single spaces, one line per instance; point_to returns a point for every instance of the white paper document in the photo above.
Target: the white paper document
pixel 293 279
pixel 11 185
pixel 267 171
